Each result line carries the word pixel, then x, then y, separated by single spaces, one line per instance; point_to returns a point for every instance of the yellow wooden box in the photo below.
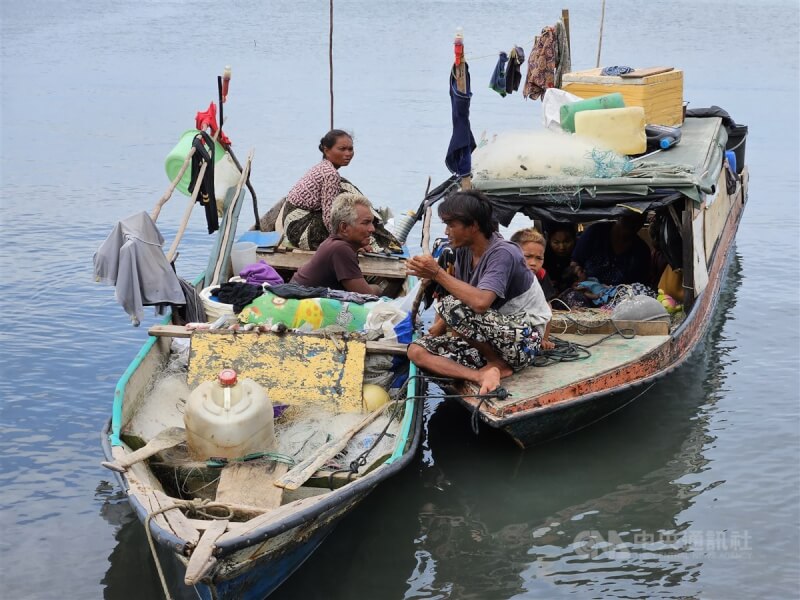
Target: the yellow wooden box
pixel 660 94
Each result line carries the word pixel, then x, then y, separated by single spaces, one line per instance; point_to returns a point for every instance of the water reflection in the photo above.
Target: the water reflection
pixel 131 571
pixel 600 510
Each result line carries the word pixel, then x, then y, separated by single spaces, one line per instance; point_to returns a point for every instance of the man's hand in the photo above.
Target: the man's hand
pixel 423 266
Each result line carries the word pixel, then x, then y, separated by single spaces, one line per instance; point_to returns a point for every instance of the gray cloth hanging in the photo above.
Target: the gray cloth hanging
pixel 132 260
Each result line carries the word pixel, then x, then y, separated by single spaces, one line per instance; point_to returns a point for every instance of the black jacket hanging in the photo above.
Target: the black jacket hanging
pixel 204 151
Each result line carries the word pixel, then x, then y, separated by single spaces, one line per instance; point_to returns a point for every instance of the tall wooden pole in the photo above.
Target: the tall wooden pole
pixel 565 20
pixel 330 58
pixel 600 41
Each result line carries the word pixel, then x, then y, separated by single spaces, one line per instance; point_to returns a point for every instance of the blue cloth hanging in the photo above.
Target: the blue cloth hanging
pixel 498 80
pixel 462 142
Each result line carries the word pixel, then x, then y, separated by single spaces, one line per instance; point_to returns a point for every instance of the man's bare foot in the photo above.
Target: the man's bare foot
pixel 489 379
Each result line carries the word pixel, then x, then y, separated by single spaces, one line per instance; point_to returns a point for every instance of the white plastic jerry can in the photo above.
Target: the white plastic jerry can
pixel 229 418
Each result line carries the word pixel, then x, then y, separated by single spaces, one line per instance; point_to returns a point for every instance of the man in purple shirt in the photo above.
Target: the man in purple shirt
pixel 484 328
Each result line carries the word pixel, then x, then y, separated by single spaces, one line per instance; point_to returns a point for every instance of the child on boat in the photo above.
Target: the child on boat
pixel 590 287
pixel 558 253
pixel 532 243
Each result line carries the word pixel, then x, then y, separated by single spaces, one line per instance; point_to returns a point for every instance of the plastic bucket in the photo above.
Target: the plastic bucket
pixel 176 157
pixel 214 310
pixel 242 254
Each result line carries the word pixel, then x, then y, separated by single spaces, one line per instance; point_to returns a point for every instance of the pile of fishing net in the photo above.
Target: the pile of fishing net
pixel 545 154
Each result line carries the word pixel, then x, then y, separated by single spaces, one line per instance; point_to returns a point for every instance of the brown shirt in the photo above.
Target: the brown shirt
pixel 334 261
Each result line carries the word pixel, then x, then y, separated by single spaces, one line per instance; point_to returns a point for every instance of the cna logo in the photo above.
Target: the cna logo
pixel 592 543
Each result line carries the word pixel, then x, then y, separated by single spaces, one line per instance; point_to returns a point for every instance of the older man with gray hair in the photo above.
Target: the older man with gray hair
pixel 335 263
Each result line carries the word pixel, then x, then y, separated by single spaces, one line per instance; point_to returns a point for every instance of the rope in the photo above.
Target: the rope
pixel 198 506
pixel 361 460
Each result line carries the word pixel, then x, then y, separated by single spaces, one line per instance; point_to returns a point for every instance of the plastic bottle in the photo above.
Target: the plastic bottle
pixel 229 418
pixel 661 136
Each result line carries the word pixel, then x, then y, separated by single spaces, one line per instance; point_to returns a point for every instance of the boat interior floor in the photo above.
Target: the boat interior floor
pixel 610 354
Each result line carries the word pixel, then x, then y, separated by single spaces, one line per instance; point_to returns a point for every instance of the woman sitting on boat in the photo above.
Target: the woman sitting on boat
pixel 613 254
pixel 304 215
pixel 495 305
pixel 335 266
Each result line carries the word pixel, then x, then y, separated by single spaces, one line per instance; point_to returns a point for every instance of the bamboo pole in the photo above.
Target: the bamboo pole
pixel 600 40
pixel 565 20
pixel 187 213
pixel 426 249
pixel 168 194
pixel 330 58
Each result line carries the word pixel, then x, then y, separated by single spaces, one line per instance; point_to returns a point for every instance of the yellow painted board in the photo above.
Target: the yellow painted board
pixel 294 368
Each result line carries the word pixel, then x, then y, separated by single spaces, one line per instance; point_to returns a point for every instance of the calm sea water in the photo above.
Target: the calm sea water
pixel 691 492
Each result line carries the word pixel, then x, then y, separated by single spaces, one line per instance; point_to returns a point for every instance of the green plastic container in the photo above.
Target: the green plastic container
pixel 177 155
pixel 568 110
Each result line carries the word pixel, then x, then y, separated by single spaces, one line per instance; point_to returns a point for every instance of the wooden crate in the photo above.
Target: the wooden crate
pixel 660 94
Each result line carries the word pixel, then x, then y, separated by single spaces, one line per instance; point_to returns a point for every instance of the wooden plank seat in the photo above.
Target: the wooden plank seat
pixel 390 268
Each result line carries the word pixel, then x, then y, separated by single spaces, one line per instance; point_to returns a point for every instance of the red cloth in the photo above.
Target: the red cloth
pixel 208 120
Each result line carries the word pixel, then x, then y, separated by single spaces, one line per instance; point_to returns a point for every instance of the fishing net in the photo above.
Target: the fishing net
pixel 536 155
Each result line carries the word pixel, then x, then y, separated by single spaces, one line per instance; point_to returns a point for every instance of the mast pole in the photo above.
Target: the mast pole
pixel 330 58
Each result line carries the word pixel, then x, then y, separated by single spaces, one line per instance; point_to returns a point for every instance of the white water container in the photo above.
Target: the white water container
pixel 619 129
pixel 229 418
pixel 242 255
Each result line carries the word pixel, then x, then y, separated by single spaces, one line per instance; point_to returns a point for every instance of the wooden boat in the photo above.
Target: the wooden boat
pixel 242 525
pixel 705 199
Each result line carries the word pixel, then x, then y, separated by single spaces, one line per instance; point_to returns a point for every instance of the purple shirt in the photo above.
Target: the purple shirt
pixel 501 270
pixel 334 261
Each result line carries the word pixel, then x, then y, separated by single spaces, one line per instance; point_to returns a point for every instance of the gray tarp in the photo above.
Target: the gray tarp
pixel 691 168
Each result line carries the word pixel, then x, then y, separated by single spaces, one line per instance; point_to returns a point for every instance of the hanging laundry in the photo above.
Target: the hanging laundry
pixel 132 260
pixel 498 80
pixel 513 75
pixel 548 60
pixel 207 119
pixel 204 152
pixel 459 153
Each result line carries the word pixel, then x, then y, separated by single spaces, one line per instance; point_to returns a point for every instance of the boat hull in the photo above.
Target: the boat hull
pixel 253 574
pixel 252 566
pixel 536 420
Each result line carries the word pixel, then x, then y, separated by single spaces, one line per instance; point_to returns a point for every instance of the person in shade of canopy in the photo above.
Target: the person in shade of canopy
pixel 335 263
pixel 491 321
pixel 613 253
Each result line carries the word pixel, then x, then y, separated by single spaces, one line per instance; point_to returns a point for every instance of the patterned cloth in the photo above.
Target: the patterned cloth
pixel 541 65
pixel 307 228
pixel 549 58
pixel 316 190
pixel 511 336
